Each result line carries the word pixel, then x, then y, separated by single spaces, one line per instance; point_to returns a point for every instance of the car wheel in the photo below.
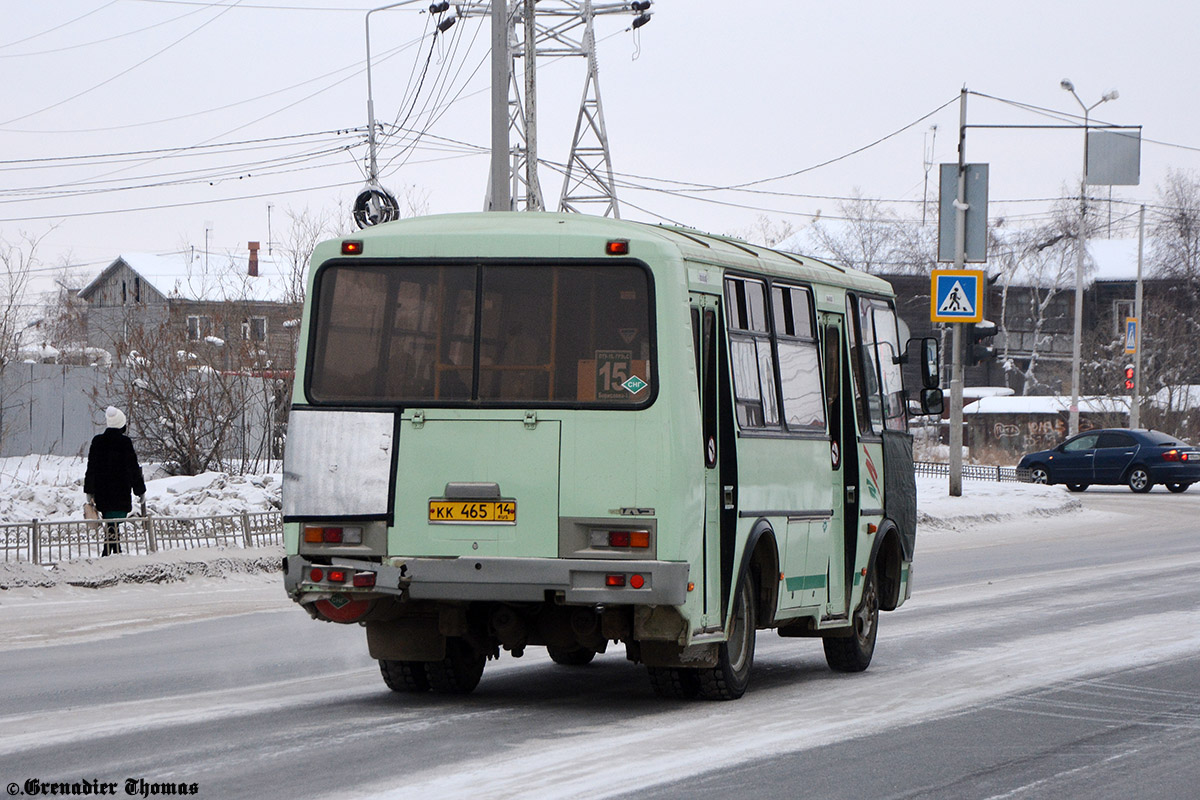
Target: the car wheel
pixel 1039 474
pixel 1077 487
pixel 1177 487
pixel 1139 480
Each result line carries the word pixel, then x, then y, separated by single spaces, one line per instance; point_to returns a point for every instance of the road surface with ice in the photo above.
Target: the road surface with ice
pixel 1047 655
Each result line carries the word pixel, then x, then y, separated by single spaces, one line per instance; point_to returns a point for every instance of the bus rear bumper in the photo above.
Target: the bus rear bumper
pixel 579 581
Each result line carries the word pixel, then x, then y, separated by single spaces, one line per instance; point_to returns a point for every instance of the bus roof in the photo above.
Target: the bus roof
pixel 509 235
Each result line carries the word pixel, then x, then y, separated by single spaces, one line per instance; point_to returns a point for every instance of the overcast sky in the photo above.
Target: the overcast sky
pixel 710 93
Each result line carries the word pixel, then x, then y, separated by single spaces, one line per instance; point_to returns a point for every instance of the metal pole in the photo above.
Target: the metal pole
pixel 960 246
pixel 501 199
pixel 372 168
pixel 1135 417
pixel 533 200
pixel 1080 248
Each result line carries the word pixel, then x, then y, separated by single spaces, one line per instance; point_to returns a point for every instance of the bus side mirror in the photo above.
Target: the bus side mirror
pixel 932 402
pixel 929 359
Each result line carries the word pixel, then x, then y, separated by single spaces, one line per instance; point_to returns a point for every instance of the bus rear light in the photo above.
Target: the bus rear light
pixel 316 575
pixel 617 247
pixel 337 575
pixel 329 534
pixel 352 247
pixel 637 581
pixel 364 579
pixel 638 539
pixel 614 581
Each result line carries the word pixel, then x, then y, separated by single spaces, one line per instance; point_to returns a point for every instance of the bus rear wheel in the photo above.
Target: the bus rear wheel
pixel 674 683
pixel 459 672
pixel 853 653
pixel 570 657
pixel 730 677
pixel 404 676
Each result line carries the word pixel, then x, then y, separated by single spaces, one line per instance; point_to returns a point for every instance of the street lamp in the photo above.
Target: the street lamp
pixel 375 204
pixel 1080 247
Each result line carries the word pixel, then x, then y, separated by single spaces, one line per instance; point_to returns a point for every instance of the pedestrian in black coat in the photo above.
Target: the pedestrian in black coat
pixel 112 474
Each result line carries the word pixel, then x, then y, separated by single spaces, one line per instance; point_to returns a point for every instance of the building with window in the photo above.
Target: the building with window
pixel 234 311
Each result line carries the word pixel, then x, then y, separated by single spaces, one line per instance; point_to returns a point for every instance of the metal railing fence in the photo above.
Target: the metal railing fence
pixel 977 472
pixel 39 542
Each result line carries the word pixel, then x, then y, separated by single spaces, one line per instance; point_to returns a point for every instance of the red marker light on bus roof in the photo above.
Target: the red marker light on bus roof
pixel 352 247
pixel 617 247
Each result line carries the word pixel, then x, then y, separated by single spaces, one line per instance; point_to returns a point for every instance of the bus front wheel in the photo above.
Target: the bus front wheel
pixel 853 653
pixel 730 677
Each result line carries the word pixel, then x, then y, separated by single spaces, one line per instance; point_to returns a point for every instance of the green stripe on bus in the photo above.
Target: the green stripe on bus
pixel 803 582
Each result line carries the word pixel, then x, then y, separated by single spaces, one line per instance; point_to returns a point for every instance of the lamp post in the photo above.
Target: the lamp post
pixel 1080 247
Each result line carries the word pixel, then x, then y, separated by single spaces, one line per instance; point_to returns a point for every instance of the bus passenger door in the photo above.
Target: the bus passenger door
pixel 706 327
pixel 827 542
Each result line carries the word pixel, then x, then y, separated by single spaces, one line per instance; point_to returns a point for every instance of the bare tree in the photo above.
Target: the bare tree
pixel 765 231
pixel 19 259
pixel 870 236
pixel 1036 266
pixel 1175 227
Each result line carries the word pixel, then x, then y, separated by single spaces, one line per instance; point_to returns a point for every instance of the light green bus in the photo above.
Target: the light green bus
pixel 514 430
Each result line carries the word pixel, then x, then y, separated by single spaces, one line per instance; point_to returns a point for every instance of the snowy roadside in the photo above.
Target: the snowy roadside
pixel 986 502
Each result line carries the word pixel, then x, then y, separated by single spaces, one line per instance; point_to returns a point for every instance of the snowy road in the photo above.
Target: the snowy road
pixel 1032 657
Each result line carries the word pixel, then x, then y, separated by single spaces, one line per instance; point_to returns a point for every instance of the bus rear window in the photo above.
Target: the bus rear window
pixel 481 335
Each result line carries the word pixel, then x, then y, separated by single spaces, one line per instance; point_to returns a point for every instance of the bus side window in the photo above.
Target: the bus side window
pixel 799 367
pixel 750 354
pixel 709 333
pixel 862 383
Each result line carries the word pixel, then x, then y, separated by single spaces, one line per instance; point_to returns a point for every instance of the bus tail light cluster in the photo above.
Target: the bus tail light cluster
pixel 623 538
pixel 619 581
pixel 360 580
pixel 333 534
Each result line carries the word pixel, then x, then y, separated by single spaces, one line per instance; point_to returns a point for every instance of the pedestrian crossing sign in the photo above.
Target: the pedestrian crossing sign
pixel 956 295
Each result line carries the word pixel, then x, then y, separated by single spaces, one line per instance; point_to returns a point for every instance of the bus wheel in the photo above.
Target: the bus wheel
pixel 459 672
pixel 730 677
pixel 404 676
pixel 853 653
pixel 674 683
pixel 570 657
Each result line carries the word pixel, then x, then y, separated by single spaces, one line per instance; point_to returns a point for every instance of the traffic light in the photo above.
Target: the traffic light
pixel 1130 383
pixel 979 348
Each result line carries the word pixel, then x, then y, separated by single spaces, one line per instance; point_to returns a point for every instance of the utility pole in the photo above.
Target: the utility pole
pixel 546 28
pixel 960 257
pixel 498 194
pixel 1135 418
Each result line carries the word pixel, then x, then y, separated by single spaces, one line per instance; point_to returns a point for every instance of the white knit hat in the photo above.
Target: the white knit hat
pixel 114 417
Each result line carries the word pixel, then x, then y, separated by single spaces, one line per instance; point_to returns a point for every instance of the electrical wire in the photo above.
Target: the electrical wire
pixel 126 71
pixel 59 26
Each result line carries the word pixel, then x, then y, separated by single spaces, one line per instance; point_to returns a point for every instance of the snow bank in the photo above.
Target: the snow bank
pixel 985 502
pixel 168 566
pixel 51 488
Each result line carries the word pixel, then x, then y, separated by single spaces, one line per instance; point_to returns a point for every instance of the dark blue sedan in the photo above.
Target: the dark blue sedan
pixel 1136 457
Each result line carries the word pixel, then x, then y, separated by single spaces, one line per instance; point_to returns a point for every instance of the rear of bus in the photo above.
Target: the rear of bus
pixel 484 452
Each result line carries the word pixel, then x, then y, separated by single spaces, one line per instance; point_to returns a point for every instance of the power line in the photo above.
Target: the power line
pixel 109 80
pixel 59 26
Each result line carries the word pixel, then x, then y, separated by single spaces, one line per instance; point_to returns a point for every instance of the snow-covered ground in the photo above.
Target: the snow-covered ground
pixel 51 488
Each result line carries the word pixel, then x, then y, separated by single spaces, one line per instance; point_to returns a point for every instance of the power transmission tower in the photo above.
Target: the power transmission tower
pixel 551 29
